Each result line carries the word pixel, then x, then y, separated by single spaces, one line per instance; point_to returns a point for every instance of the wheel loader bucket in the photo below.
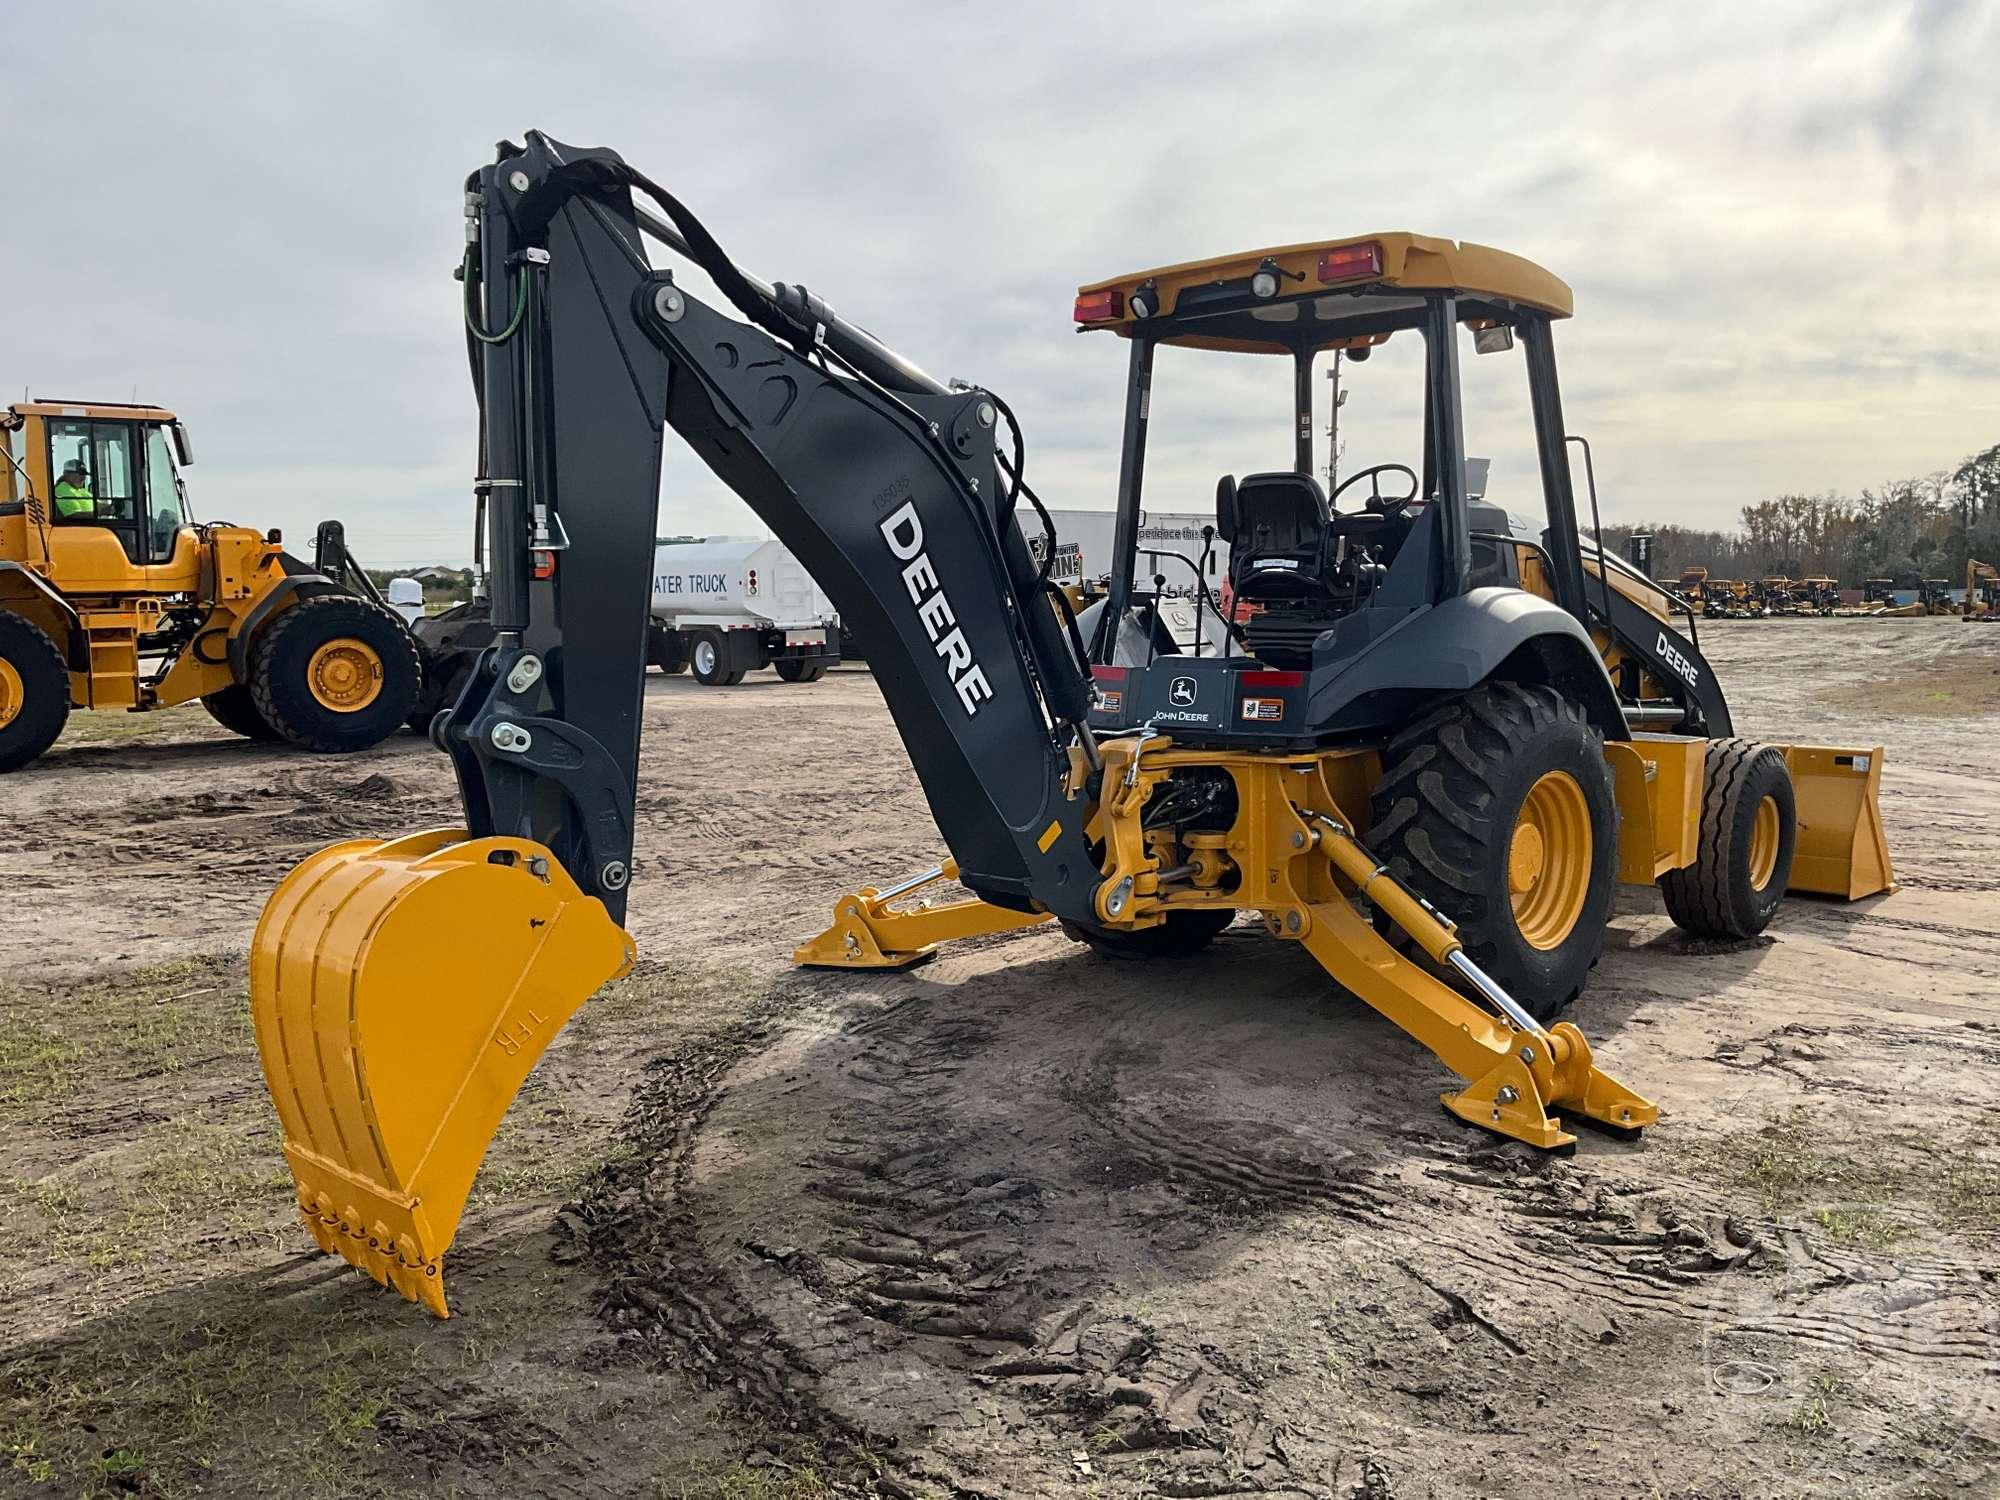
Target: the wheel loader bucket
pixel 402 991
pixel 1840 850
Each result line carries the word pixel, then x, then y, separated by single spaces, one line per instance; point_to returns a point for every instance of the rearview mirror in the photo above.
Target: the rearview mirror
pixel 1495 340
pixel 183 445
pixel 1225 507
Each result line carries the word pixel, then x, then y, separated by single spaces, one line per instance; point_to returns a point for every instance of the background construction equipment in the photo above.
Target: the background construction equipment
pixel 113 596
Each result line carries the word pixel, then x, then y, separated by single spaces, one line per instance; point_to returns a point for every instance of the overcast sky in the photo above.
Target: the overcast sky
pixel 1781 221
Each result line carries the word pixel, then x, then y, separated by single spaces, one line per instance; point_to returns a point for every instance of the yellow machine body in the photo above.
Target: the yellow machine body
pixel 402 991
pixel 101 591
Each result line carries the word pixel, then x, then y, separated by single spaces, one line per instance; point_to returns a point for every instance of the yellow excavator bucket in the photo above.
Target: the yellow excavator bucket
pixel 402 991
pixel 1840 849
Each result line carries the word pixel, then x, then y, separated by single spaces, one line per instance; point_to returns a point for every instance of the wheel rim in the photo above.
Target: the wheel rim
pixel 704 658
pixel 1764 844
pixel 344 675
pixel 1549 860
pixel 12 693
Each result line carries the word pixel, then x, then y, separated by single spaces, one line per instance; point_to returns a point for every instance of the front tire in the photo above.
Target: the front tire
pixel 236 711
pixel 1749 827
pixel 1498 808
pixel 336 674
pixel 34 691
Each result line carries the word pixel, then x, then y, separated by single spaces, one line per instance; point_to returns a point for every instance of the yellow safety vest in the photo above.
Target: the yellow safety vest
pixel 68 497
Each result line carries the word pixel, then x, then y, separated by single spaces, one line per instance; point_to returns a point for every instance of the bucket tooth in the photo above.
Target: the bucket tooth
pixel 401 992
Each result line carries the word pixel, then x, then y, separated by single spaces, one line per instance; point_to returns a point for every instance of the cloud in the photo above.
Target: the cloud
pixel 1779 220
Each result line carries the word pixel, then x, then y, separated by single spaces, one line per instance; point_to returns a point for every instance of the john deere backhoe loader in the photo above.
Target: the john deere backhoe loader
pixel 112 596
pixel 1428 757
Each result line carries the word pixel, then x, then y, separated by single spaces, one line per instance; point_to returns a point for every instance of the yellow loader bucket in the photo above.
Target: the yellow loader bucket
pixel 402 991
pixel 1840 850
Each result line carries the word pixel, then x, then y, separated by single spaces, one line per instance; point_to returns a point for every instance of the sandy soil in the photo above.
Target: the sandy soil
pixel 1023 1221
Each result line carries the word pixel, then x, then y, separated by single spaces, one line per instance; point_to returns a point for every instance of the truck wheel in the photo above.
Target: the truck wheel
pixel 794 670
pixel 666 650
pixel 34 691
pixel 1498 809
pixel 336 673
pixel 1182 935
pixel 708 654
pixel 236 711
pixel 1744 857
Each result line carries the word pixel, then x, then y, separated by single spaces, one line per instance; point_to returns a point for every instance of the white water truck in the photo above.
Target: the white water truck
pixel 731 605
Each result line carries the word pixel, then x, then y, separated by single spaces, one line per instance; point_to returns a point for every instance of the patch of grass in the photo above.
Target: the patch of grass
pixel 147 1410
pixel 58 1040
pixel 663 990
pixel 1862 1193
pixel 777 1480
pixel 1814 1413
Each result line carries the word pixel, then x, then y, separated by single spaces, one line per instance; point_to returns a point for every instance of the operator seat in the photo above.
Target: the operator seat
pixel 1275 525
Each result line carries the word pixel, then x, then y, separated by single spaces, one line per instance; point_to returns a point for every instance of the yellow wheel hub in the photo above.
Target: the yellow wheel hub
pixel 12 694
pixel 1763 844
pixel 1549 860
pixel 345 675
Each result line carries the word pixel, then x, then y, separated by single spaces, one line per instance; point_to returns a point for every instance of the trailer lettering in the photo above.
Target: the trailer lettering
pixel 903 530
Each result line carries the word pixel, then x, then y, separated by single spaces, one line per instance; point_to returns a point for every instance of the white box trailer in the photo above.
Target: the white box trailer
pixel 1163 537
pixel 730 605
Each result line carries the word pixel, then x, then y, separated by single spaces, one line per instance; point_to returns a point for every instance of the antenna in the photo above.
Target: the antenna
pixel 1334 448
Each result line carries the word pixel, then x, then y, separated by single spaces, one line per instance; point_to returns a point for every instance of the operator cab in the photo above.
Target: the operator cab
pixel 1402 556
pixel 108 479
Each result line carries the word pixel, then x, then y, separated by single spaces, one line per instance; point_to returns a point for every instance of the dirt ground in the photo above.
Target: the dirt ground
pixel 1023 1221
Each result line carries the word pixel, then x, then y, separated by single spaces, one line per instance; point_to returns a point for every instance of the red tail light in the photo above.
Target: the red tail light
pixel 1099 307
pixel 545 563
pixel 1272 679
pixel 1102 673
pixel 1351 261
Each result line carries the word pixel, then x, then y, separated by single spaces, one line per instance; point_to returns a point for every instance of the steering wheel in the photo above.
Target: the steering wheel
pixel 1385 505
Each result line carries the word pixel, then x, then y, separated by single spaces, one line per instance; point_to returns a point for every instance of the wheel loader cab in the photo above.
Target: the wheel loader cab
pixel 116 502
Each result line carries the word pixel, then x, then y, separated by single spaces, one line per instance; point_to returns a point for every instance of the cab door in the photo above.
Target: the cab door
pixel 117 516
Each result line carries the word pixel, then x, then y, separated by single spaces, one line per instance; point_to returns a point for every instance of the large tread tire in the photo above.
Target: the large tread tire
pixel 37 673
pixel 1453 785
pixel 794 670
pixel 236 711
pixel 1182 935
pixel 445 672
pixel 278 674
pixel 1718 895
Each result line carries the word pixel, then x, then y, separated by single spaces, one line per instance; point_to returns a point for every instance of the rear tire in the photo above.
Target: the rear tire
pixel 707 655
pixel 794 670
pixel 666 650
pixel 336 674
pixel 1182 935
pixel 1749 828
pixel 236 711
pixel 1498 809
pixel 34 691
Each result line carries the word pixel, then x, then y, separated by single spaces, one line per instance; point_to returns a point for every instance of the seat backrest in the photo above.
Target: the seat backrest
pixel 1278 515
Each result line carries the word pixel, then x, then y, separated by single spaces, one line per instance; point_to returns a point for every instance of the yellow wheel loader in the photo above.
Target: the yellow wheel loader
pixel 1982 592
pixel 113 597
pixel 1428 754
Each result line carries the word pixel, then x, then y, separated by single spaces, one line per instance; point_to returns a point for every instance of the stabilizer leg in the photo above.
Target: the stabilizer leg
pixel 866 934
pixel 1522 1078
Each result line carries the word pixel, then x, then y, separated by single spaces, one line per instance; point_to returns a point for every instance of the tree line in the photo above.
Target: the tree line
pixel 1906 530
